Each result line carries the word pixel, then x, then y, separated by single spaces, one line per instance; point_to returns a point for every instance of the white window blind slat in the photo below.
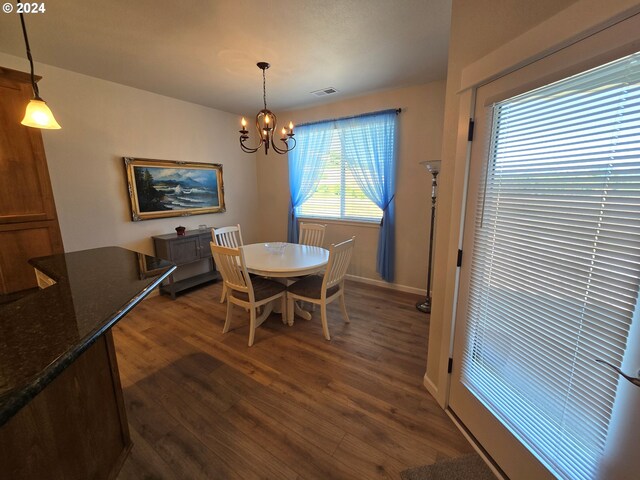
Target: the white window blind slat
pixel 555 271
pixel 590 87
pixel 597 111
pixel 555 307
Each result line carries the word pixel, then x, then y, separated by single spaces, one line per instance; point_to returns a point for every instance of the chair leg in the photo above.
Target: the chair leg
pixel 343 305
pixel 224 293
pixel 227 322
pixel 323 316
pixel 252 326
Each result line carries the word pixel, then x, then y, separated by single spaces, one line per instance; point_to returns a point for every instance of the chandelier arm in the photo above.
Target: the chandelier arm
pixel 278 150
pixel 286 142
pixel 248 149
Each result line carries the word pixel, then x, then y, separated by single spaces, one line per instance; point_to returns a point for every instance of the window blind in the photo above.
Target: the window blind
pixel 338 194
pixel 556 262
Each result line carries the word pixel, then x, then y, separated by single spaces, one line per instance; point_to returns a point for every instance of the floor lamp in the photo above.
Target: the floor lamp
pixel 434 168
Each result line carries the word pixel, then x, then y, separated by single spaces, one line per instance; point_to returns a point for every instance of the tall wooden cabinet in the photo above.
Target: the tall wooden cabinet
pixel 28 220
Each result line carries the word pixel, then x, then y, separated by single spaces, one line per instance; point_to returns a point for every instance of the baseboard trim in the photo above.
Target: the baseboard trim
pixel 476 446
pixel 430 386
pixel 383 284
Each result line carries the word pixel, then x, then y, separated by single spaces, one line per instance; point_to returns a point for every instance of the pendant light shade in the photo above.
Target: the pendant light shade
pixel 38 115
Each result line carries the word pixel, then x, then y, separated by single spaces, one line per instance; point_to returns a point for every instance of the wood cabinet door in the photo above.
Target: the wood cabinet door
pixel 25 188
pixel 205 247
pixel 185 250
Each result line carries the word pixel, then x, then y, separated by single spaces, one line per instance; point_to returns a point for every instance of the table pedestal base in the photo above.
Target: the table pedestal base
pixel 297 309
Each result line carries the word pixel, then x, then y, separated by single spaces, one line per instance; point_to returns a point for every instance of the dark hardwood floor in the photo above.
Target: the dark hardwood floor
pixel 202 405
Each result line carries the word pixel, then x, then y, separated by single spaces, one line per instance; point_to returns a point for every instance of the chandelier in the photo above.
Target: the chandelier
pixel 266 124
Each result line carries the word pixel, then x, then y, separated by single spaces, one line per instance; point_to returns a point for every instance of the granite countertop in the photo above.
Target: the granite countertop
pixel 44 332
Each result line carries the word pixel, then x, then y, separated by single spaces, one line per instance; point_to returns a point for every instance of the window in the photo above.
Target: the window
pixel 346 169
pixel 338 195
pixel 554 274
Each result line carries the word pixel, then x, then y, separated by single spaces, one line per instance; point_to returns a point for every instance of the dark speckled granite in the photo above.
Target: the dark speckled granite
pixel 43 332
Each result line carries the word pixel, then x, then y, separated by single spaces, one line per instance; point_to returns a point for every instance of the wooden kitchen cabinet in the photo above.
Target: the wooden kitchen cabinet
pixel 28 220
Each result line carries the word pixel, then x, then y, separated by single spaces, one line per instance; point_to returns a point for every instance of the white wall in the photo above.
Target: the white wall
pixel 103 122
pixel 420 131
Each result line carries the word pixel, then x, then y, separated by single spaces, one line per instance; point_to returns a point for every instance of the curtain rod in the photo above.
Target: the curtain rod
pixel 396 110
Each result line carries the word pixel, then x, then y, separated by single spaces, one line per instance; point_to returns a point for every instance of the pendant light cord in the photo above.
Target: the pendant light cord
pixel 34 85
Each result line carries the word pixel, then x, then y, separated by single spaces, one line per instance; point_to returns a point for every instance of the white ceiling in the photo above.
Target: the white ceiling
pixel 206 51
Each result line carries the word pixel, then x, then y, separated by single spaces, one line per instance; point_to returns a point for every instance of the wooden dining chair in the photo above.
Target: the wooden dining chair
pixel 311 234
pixel 324 289
pixel 230 237
pixel 227 236
pixel 244 291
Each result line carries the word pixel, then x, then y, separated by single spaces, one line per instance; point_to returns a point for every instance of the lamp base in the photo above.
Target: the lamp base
pixel 424 307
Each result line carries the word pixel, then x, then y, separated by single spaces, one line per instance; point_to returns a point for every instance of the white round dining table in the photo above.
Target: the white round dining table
pixel 295 260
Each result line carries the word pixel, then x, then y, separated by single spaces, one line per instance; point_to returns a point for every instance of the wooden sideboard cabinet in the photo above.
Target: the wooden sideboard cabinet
pixel 182 250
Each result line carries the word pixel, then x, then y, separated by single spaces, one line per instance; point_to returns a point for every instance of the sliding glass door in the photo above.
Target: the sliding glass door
pixel 550 281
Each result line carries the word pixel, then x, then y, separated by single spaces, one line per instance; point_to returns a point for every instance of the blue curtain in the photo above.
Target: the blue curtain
pixel 369 148
pixel 306 164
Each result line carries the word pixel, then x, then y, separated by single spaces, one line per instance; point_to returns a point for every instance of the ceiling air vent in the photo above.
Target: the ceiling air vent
pixel 324 92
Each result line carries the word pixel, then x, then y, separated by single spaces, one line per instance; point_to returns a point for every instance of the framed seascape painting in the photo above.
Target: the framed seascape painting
pixel 164 188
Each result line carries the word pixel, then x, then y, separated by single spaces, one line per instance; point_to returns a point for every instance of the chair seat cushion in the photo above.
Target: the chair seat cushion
pixel 311 287
pixel 262 288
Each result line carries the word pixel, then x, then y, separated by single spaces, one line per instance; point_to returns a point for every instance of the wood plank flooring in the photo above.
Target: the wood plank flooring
pixel 202 405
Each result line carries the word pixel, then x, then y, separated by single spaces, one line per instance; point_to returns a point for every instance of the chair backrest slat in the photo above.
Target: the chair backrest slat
pixel 311 234
pixel 339 259
pixel 227 236
pixel 230 263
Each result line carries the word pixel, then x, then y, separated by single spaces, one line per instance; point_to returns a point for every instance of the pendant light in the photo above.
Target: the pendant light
pixel 37 114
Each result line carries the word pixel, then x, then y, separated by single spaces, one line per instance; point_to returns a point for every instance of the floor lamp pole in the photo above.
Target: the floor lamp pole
pixel 434 169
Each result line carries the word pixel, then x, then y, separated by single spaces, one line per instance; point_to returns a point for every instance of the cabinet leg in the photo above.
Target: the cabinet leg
pixel 171 287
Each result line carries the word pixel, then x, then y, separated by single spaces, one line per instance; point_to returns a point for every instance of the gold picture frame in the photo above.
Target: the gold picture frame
pixel 167 188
